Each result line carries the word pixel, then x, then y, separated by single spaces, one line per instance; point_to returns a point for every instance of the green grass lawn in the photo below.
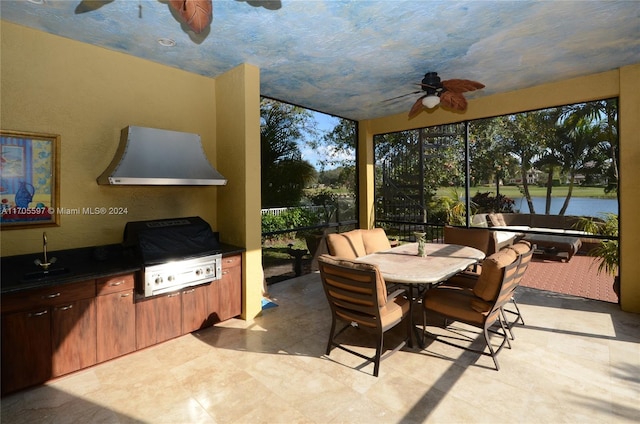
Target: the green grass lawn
pixel 514 191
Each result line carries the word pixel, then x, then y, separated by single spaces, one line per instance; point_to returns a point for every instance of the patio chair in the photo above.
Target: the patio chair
pixel 525 249
pixel 479 238
pixel 480 306
pixel 357 296
pixel 468 279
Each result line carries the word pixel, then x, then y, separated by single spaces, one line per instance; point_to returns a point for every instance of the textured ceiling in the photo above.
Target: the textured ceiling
pixel 347 57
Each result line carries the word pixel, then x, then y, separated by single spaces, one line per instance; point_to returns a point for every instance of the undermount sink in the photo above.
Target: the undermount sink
pixel 45 273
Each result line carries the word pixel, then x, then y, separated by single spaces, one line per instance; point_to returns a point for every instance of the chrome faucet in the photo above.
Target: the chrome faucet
pixel 47 262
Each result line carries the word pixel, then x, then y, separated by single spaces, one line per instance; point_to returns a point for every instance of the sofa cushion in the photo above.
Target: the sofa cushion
pixel 479 220
pixel 347 245
pixel 496 219
pixel 488 284
pixel 375 240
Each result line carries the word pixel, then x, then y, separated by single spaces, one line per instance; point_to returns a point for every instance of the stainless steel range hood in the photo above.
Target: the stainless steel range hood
pixel 150 156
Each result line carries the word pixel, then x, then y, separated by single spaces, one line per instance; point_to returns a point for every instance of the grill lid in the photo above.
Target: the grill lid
pixel 164 240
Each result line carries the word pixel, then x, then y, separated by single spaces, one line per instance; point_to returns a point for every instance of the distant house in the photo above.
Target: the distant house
pixel 533 176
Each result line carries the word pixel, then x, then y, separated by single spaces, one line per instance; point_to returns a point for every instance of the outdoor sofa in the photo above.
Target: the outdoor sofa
pixel 553 235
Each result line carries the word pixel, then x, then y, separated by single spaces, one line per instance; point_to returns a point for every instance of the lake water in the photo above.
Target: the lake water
pixel 582 206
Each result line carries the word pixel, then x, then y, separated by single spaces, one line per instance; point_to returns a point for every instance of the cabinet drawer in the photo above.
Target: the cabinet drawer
pixel 48 296
pixel 231 261
pixel 114 284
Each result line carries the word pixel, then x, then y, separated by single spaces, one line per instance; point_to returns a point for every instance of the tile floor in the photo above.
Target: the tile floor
pixel 576 361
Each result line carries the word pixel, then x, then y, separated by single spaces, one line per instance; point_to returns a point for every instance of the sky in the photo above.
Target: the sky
pixel 325 123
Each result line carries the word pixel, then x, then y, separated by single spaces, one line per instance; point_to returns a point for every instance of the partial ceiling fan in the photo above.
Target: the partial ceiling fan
pixel 448 93
pixel 197 14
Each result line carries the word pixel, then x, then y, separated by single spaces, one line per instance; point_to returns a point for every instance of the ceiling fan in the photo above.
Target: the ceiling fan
pixel 197 14
pixel 448 93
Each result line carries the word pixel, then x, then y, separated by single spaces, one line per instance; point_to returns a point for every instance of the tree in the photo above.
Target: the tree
pixel 604 113
pixel 284 173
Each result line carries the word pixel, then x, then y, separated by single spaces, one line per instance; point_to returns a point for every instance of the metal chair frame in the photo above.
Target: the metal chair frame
pixel 494 315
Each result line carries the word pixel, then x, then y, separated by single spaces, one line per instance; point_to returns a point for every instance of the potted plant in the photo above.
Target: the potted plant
pixel 328 200
pixel 607 252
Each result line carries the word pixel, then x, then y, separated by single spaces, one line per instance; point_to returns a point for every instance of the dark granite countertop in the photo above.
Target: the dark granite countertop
pixel 19 273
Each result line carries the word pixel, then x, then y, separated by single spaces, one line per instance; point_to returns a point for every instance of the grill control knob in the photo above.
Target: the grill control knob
pixel 158 280
pixel 198 272
pixel 171 278
pixel 209 270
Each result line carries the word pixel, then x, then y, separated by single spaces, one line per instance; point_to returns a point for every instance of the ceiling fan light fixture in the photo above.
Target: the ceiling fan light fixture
pixel 431 101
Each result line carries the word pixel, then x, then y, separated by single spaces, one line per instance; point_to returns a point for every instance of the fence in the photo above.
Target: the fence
pixel 280 211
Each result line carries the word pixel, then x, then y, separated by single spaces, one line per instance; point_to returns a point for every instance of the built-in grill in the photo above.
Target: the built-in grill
pixel 174 253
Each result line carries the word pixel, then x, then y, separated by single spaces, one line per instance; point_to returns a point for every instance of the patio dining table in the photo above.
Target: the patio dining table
pixel 402 265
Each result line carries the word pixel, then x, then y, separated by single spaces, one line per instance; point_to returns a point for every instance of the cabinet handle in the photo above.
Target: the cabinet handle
pixel 125 295
pixel 225 272
pixel 64 308
pixel 189 291
pixel 117 283
pixel 51 296
pixel 37 314
pixel 173 294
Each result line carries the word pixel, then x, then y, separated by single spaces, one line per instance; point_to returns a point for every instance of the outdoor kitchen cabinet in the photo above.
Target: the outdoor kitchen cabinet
pixel 116 316
pixel 195 307
pixel 26 348
pixel 230 288
pixel 46 333
pixel 158 319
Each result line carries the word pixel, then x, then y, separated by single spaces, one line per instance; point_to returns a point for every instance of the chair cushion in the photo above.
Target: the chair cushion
pixel 375 240
pixel 488 284
pixel 349 265
pixel 453 302
pixel 347 245
pixel 393 312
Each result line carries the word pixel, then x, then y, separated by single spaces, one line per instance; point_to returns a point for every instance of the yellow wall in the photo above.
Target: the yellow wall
pixel 87 95
pixel 630 187
pixel 624 83
pixel 238 117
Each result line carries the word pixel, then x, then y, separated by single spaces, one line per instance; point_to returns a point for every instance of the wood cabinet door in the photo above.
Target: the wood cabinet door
pixel 73 334
pixel 116 319
pixel 168 316
pixel 230 288
pixel 158 319
pixel 195 308
pixel 213 300
pixel 26 349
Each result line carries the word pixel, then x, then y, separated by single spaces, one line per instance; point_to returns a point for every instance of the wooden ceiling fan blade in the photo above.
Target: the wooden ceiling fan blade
pixel 417 107
pixel 196 13
pixel 90 5
pixel 462 85
pixel 452 100
pixel 404 95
